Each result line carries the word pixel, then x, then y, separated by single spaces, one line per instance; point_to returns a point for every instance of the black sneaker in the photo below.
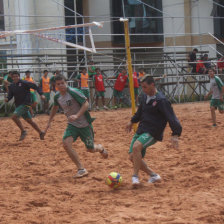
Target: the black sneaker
pixel 42 134
pixel 23 135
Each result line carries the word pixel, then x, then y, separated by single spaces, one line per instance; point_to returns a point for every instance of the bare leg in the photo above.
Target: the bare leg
pixel 67 143
pixel 137 157
pixel 18 122
pixel 144 166
pixel 115 101
pixel 97 101
pixel 99 148
pixel 103 100
pixel 213 115
pixel 33 124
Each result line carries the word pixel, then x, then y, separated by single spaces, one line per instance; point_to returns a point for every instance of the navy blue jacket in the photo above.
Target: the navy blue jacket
pixel 21 92
pixel 153 117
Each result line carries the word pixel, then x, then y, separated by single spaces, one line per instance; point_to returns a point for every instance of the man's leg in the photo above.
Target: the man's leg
pixel 137 157
pixel 87 136
pixel 143 166
pixel 18 122
pixel 33 124
pixel 97 102
pixel 213 115
pixel 20 110
pixel 67 144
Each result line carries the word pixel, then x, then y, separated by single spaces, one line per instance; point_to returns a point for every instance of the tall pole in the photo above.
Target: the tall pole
pixel 130 72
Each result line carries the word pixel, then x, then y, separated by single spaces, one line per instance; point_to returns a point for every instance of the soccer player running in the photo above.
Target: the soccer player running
pixel 20 90
pixel 153 114
pixel 75 106
pixel 217 92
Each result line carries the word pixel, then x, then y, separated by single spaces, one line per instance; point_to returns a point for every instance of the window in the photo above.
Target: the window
pixel 218 11
pixel 2 23
pixel 70 20
pixel 137 25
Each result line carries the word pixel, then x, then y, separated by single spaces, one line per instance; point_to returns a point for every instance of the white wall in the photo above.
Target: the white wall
pixel 100 8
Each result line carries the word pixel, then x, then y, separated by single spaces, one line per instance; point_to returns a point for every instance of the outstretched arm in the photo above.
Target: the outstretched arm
pixel 53 112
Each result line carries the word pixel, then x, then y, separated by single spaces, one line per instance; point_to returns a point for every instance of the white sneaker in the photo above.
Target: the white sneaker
pixel 105 107
pixel 81 173
pixel 135 180
pixel 154 178
pixel 97 108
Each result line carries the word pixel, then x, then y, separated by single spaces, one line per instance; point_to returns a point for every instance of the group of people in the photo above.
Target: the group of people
pixel 121 81
pixel 203 64
pixel 46 84
pixel 153 114
pixel 199 66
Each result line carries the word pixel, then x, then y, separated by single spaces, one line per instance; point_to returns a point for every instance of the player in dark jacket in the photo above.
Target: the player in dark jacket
pixel 153 114
pixel 20 90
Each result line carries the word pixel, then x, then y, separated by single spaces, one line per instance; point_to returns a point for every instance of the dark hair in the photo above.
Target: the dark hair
pixel 148 79
pixel 45 71
pixel 195 49
pixel 59 77
pixel 211 69
pixel 10 72
pixel 97 69
pixel 27 72
pixel 15 73
pixel 123 68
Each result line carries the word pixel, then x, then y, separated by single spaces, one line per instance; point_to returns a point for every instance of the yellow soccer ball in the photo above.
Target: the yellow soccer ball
pixel 114 180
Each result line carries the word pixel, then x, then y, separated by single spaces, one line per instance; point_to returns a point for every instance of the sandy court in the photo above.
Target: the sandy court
pixel 37 185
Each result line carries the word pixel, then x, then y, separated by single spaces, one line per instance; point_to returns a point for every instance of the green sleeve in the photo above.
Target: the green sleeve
pixel 219 82
pixel 5 77
pixel 78 76
pixel 56 99
pixel 116 76
pixel 77 95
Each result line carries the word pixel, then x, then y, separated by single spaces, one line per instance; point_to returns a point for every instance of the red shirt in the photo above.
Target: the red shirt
pixel 99 85
pixel 120 82
pixel 200 64
pixel 220 63
pixel 135 80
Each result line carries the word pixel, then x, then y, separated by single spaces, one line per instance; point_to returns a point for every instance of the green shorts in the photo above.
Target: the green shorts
pixel 100 93
pixel 23 111
pixel 86 134
pixel 33 97
pixel 136 91
pixel 85 92
pixel 217 104
pixel 146 139
pixel 47 96
pixel 118 94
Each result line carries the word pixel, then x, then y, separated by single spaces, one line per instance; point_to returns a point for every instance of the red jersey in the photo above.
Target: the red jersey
pixel 200 64
pixel 99 85
pixel 120 82
pixel 220 63
pixel 135 80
